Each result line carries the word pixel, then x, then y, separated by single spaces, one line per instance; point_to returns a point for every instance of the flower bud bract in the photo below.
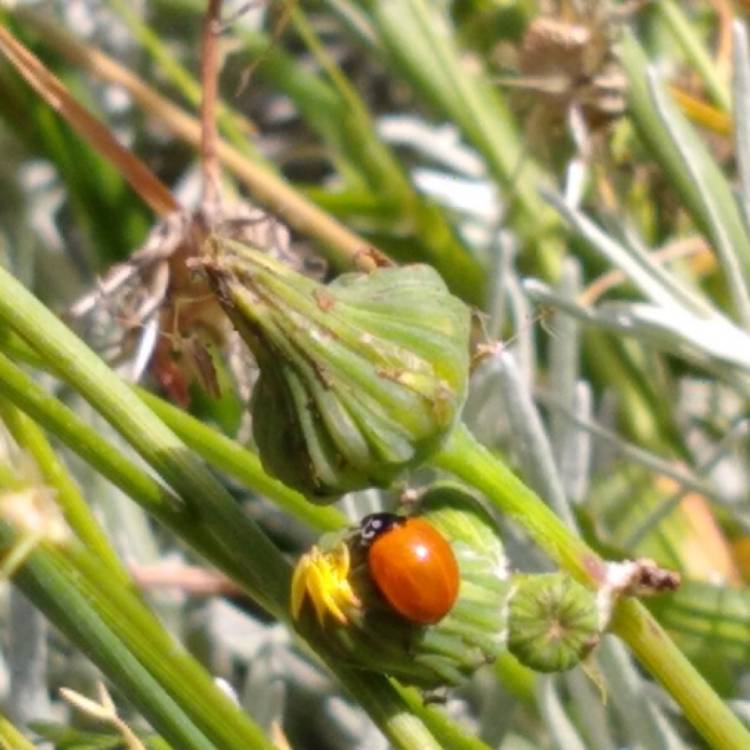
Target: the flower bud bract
pixel 553 621
pixel 360 379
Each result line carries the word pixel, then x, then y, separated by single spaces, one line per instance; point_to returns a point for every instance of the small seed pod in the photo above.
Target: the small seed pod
pixel 424 638
pixel 360 379
pixel 553 622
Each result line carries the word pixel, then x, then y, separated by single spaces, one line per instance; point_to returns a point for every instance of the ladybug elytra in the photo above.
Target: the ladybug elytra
pixel 412 565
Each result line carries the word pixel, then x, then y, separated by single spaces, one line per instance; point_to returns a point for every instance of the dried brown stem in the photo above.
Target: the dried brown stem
pixel 725 17
pixel 266 188
pixel 189 579
pixel 685 248
pixel 52 90
pixel 210 63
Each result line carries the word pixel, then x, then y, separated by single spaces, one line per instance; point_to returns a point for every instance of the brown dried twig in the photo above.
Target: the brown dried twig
pixel 94 132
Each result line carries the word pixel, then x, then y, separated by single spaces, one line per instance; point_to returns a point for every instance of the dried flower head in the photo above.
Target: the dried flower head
pixel 566 63
pixel 155 312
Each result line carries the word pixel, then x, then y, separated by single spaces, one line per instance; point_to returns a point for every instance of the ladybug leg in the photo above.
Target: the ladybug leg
pixel 436 697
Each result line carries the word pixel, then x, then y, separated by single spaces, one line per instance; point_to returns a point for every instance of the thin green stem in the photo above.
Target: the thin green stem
pixel 657 652
pixel 229 456
pixel 447 733
pixel 111 462
pixel 257 563
pixel 110 624
pixel 695 50
pixel 473 463
pixel 11 738
pixel 465 457
pixel 77 513
pixel 388 709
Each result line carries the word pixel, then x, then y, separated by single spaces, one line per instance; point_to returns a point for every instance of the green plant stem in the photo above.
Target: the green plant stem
pixel 77 513
pixel 695 50
pixel 229 456
pixel 256 563
pixel 704 709
pixel 55 417
pixel 11 738
pixel 388 709
pixel 110 624
pixel 465 457
pixel 217 449
pixel 449 736
pixel 475 465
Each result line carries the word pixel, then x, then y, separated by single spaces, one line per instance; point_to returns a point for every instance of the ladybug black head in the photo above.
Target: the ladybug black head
pixel 376 524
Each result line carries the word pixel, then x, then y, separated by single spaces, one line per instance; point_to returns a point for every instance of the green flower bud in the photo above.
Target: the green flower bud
pixel 553 621
pixel 360 379
pixel 375 637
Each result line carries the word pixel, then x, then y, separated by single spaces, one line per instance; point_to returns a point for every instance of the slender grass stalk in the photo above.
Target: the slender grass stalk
pixel 55 417
pixel 694 49
pixel 11 738
pixel 77 513
pixel 228 455
pixel 476 466
pixel 52 90
pixel 342 246
pixel 257 563
pixel 112 626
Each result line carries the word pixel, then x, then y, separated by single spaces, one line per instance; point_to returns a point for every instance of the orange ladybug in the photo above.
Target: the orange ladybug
pixel 412 565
